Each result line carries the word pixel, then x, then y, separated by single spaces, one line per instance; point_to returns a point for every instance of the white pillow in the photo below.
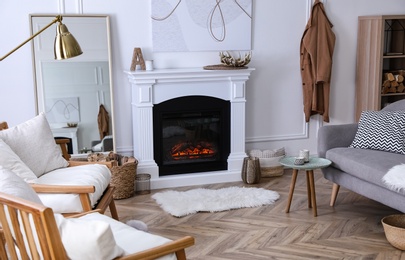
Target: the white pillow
pixel 33 142
pixel 85 239
pixel 13 185
pixel 9 160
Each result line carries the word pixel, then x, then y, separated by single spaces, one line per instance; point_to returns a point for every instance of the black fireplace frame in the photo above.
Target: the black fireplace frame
pixel 192 104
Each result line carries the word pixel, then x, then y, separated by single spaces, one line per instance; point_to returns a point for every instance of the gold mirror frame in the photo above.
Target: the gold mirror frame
pixel 51 76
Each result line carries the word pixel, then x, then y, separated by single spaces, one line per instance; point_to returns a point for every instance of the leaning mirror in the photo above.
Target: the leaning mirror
pixel 76 94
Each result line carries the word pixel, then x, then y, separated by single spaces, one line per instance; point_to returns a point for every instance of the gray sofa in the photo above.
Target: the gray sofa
pixel 359 170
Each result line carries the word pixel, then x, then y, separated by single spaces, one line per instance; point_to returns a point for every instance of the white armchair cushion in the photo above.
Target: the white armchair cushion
pixel 9 160
pixel 33 142
pixel 96 175
pixel 13 185
pixel 129 238
pixel 84 239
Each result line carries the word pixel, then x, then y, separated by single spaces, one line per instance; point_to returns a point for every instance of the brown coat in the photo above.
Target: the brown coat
pixel 317 45
pixel 103 122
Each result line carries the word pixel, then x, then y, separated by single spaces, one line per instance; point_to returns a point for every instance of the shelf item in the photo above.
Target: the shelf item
pixel 380 50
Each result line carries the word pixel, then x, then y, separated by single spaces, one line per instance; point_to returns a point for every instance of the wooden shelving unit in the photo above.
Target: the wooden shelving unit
pixel 380 49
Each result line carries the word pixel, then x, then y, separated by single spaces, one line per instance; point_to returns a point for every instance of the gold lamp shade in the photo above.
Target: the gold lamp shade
pixel 66 45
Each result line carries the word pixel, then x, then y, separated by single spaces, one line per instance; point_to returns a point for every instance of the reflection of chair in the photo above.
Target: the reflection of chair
pixel 105 145
pixel 66 190
pixel 32 231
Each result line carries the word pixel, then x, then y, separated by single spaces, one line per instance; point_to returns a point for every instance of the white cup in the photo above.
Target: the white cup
pixel 299 160
pixel 149 64
pixel 304 153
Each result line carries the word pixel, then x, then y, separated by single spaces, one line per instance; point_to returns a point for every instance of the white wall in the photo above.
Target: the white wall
pixel 274 106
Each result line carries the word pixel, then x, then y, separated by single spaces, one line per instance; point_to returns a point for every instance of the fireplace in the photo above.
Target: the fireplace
pixel 191 134
pixel 153 89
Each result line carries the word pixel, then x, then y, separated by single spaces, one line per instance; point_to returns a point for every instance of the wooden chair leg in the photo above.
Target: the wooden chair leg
pixel 335 191
pixel 113 210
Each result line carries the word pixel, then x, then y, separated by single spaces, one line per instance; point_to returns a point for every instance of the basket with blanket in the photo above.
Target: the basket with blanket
pixel 269 161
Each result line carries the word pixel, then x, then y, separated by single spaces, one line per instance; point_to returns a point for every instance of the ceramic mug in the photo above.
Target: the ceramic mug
pixel 299 160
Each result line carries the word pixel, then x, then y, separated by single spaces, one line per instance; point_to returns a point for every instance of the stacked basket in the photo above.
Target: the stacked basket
pixel 269 161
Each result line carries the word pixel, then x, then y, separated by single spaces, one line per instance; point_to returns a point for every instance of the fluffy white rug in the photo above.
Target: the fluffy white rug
pixel 182 203
pixel 395 178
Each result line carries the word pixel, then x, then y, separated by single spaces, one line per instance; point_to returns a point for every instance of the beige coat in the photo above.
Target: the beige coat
pixel 317 45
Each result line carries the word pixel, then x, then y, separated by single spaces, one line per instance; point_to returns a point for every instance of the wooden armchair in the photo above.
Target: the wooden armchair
pixel 30 231
pixel 106 200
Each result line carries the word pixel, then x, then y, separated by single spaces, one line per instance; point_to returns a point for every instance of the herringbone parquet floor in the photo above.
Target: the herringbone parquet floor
pixel 350 230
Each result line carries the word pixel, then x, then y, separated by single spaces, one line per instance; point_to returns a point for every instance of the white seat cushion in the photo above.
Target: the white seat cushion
pixel 96 175
pixel 129 238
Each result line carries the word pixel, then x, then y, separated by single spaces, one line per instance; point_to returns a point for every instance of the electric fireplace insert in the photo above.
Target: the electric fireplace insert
pixel 191 134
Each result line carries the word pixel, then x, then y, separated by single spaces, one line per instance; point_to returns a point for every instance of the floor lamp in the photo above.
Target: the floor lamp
pixel 66 45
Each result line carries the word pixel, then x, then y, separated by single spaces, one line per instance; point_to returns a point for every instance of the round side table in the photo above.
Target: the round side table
pixel 309 167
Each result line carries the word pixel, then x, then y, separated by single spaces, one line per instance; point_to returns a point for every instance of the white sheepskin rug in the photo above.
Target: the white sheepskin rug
pixel 182 203
pixel 394 179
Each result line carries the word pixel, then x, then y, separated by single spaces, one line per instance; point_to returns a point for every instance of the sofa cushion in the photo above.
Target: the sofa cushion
pixel 96 175
pixel 126 235
pixel 33 142
pixel 381 130
pixel 368 165
pixel 13 185
pixel 87 239
pixel 9 160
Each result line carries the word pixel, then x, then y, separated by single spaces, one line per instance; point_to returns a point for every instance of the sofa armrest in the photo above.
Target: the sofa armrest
pixel 332 136
pixel 45 188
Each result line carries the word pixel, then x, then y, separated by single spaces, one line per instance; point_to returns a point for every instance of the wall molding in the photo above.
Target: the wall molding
pixel 78 7
pixel 303 135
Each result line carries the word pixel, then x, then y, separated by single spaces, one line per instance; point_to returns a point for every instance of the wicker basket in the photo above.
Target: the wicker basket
pixel 269 161
pixel 123 179
pixel 394 228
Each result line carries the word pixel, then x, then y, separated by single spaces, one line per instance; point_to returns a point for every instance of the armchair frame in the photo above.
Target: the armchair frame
pixel 106 200
pixel 44 225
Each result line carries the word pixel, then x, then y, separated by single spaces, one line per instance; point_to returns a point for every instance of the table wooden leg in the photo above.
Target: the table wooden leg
pixel 292 186
pixel 309 192
pixel 313 195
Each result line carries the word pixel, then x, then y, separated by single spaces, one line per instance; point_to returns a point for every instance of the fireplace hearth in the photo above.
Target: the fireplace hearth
pixel 191 133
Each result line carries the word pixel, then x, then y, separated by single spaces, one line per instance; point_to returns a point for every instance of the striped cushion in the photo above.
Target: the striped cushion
pixel 381 130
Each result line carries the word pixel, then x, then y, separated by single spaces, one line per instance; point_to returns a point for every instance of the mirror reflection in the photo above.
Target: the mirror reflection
pixel 76 94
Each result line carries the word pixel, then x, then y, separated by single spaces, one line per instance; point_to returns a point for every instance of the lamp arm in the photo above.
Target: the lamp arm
pixel 57 19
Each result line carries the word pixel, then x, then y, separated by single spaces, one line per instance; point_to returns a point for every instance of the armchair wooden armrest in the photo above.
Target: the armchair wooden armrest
pixel 176 246
pixel 109 164
pixel 82 190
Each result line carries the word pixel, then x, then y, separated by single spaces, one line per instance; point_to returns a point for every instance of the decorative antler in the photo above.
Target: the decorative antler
pixel 228 59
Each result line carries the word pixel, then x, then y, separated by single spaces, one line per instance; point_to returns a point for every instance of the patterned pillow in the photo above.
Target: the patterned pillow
pixel 381 130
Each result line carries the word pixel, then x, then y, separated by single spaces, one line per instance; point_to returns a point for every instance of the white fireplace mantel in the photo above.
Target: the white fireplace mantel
pixel 154 87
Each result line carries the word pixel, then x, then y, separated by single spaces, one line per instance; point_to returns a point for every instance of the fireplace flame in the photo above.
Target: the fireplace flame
pixel 188 150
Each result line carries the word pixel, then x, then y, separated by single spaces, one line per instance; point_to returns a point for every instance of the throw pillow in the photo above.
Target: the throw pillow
pixel 87 239
pixel 33 142
pixel 381 130
pixel 9 160
pixel 13 185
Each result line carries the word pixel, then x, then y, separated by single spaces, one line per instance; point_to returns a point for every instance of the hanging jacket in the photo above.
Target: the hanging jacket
pixel 317 45
pixel 103 122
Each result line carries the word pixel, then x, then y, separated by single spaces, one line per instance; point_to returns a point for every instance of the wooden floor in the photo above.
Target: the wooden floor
pixel 350 230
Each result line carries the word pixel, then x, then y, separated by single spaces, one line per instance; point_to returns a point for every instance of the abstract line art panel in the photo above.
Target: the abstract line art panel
pixel 201 25
pixel 62 110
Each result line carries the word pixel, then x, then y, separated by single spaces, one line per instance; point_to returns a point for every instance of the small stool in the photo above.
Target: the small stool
pixel 309 167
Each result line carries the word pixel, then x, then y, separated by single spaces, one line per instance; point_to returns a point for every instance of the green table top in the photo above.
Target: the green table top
pixel 314 163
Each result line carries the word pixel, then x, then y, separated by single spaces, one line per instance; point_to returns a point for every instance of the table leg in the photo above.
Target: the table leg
pixel 292 186
pixel 313 195
pixel 309 191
